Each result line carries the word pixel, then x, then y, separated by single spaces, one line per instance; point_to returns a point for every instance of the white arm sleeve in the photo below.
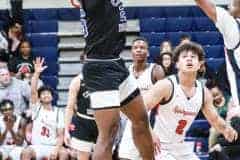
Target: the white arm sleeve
pixel 228 26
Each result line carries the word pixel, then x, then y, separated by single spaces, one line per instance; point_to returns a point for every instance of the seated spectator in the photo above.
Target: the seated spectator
pixel 11 131
pixel 4 56
pixel 205 73
pixel 11 37
pixel 48 122
pixel 185 38
pixel 13 89
pixel 24 62
pixel 166 61
pixel 166 46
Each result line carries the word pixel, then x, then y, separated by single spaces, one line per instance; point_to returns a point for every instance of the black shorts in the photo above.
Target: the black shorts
pixel 84 135
pixel 109 83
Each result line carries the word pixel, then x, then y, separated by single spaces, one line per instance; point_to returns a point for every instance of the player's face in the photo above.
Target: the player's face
pixel 188 62
pixel 139 51
pixel 46 97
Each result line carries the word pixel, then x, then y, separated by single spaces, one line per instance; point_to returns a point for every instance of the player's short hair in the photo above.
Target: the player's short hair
pixel 45 88
pixel 140 39
pixel 189 46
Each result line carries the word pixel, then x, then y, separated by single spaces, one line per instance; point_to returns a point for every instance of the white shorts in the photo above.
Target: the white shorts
pixel 109 83
pixel 80 145
pixel 165 155
pixel 178 151
pixel 127 148
pixel 42 151
pixel 11 151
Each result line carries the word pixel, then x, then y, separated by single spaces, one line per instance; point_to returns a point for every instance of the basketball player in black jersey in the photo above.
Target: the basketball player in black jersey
pixel 111 87
pixel 79 120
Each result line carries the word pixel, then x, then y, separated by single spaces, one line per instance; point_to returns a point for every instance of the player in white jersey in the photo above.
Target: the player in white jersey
pixel 48 122
pixel 146 75
pixel 228 23
pixel 180 98
pixel 11 131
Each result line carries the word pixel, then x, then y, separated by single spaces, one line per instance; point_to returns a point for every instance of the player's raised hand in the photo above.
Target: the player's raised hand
pixel 39 66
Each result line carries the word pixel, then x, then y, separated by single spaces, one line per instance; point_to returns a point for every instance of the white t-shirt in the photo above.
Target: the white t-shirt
pixel 45 125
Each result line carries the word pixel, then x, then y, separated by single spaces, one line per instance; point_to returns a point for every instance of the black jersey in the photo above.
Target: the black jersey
pixel 83 101
pixel 106 24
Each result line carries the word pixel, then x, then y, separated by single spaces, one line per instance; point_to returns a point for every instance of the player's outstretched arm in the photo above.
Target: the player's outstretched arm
pixel 159 92
pixel 38 69
pixel 209 8
pixel 215 120
pixel 71 103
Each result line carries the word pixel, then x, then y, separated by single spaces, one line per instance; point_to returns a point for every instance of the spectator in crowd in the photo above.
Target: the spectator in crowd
pixel 166 61
pixel 185 38
pixel 48 122
pixel 166 46
pixel 4 56
pixel 23 63
pixel 10 38
pixel 13 89
pixel 11 131
pixel 205 73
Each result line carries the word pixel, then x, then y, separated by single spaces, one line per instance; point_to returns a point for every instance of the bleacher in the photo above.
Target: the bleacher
pixel 155 23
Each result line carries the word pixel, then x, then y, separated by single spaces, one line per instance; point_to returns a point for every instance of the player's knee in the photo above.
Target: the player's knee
pixel 109 136
pixel 142 122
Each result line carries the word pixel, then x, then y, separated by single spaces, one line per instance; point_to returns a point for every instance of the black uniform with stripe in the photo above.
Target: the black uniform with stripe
pixel 105 28
pixel 85 127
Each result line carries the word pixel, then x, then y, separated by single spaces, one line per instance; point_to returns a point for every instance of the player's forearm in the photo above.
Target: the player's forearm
pixel 208 7
pixel 68 116
pixel 219 124
pixel 34 84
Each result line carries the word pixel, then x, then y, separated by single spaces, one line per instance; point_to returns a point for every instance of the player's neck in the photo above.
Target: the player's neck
pixel 47 106
pixel 187 80
pixel 139 66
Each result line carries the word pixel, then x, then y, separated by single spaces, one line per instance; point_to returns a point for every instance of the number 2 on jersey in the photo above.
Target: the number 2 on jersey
pixel 181 125
pixel 45 132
